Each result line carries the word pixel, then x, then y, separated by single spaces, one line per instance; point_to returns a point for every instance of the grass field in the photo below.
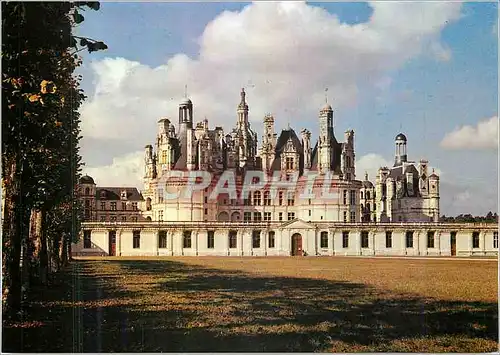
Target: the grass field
pixel 264 304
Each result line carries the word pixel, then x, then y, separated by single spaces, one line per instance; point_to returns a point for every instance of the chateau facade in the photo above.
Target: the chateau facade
pixel 210 193
pixel 303 171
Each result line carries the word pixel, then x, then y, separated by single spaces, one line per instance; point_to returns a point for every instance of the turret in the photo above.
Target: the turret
pixel 400 156
pixel 348 166
pixel 434 196
pixel 185 115
pixel 306 146
pixel 325 138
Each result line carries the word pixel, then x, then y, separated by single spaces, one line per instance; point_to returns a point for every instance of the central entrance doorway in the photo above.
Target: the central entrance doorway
pixel 296 245
pixel 112 243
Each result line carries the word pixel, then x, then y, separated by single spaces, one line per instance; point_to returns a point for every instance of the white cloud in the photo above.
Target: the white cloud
pixel 285 54
pixel 483 136
pixel 370 163
pixel 126 170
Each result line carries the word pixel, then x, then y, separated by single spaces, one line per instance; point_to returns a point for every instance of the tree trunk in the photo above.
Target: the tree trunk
pixel 14 227
pixel 64 250
pixel 44 258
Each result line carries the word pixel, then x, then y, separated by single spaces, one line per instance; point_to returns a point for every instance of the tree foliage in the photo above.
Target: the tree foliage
pixel 40 134
pixel 468 218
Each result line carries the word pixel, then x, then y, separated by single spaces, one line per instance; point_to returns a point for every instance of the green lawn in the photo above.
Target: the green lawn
pixel 264 304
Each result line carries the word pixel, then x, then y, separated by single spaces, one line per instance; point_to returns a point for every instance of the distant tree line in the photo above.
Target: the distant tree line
pixel 41 97
pixel 489 218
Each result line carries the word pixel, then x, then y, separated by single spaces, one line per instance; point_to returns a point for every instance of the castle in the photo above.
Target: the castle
pixel 207 193
pixel 404 192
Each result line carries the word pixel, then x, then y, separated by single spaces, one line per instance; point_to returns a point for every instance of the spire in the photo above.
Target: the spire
pixel 326 96
pixel 243 104
pixel 185 91
pixel 242 96
pixel 366 175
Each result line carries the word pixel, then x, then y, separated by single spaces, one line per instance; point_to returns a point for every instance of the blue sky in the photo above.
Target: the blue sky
pixel 424 97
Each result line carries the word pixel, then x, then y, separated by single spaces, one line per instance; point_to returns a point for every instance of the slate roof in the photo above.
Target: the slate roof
pixel 398 174
pixel 114 193
pixel 87 180
pixel 285 135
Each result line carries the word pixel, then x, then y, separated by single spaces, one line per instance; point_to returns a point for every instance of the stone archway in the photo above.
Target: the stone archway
pixel 296 243
pixel 235 216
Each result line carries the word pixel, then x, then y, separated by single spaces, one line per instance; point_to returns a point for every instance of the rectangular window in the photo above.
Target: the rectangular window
pixel 364 239
pixel 103 218
pixel 271 239
pixel 246 202
pixel 280 216
pixel 309 213
pixel 388 239
pixel 267 198
pixel 291 199
pixel 430 239
pixel 289 163
pixel 324 240
pixel 257 216
pixel 211 239
pixel 134 219
pixel 267 216
pixel 352 197
pixel 103 205
pixel 186 240
pixel 87 243
pixel 113 206
pixel 256 239
pixel 134 206
pixel 162 239
pixel 495 240
pixel 112 218
pixel 291 216
pixel 124 206
pixel 160 216
pixel 345 197
pixel 409 239
pixel 353 217
pixel 345 216
pixel 124 218
pixel 206 210
pixel 475 239
pixel 280 198
pixel 256 198
pixel 232 239
pixel 345 239
pixel 247 216
pixel 136 239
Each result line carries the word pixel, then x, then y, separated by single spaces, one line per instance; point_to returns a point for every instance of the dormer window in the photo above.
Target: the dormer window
pixel 289 163
pixel 123 195
pixel 103 194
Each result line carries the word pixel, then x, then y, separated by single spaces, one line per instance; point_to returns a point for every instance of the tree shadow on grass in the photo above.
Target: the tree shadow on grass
pixel 186 308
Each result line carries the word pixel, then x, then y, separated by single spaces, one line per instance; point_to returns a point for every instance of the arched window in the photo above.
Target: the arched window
pixel 368 207
pixel 87 191
pixel 235 216
pixel 367 195
pixel 361 194
pixel 223 217
pixel 148 204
